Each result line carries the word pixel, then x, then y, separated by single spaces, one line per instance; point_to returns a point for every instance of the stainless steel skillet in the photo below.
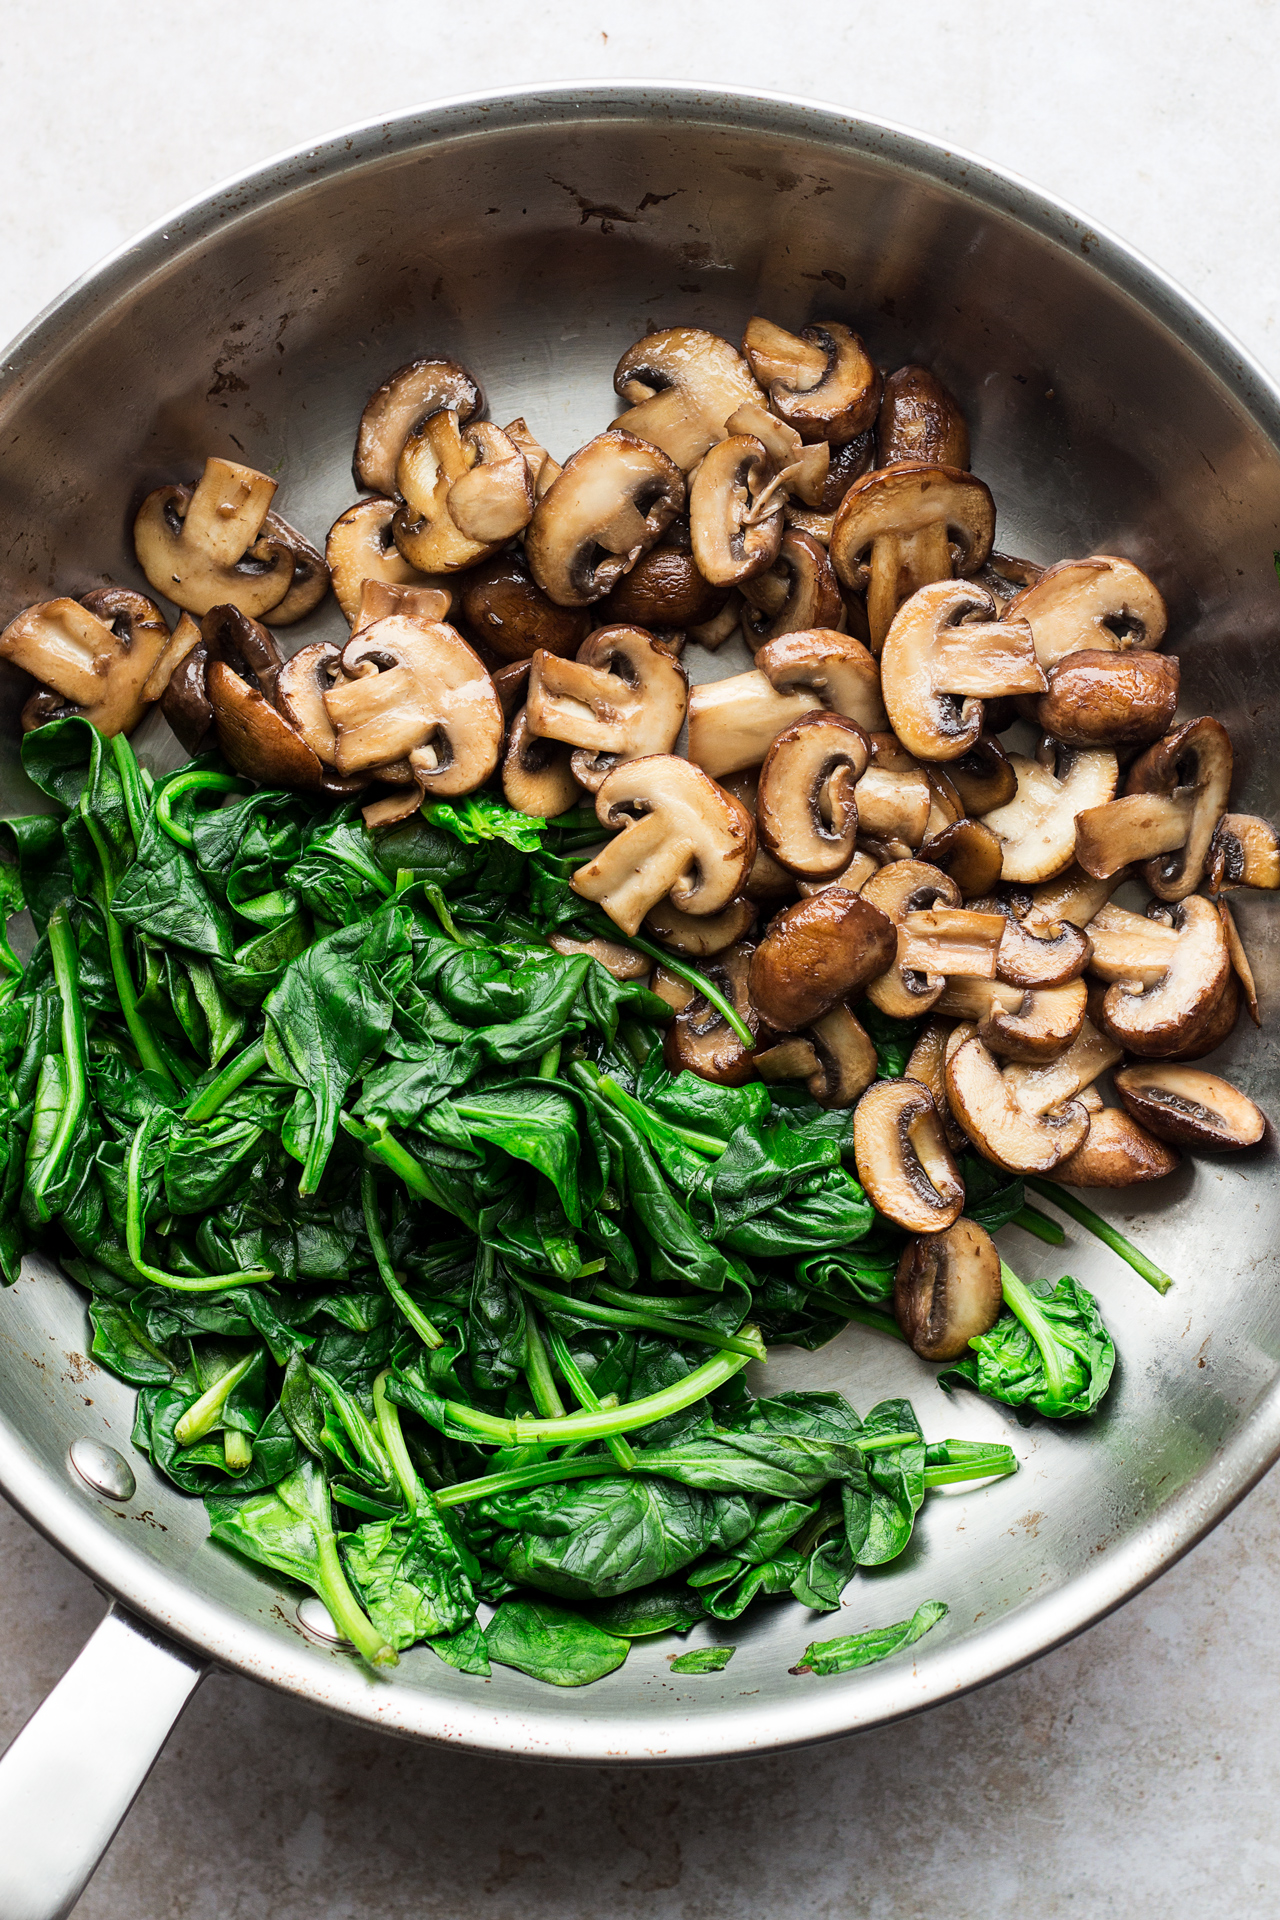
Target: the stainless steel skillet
pixel 536 235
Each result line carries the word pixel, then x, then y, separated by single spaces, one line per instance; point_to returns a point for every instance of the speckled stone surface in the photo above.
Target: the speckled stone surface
pixel 1135 1770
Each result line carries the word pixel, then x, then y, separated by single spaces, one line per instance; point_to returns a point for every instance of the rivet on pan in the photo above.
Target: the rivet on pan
pixel 103 1469
pixel 315 1617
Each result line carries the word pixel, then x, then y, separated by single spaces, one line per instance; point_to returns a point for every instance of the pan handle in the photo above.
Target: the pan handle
pixel 71 1775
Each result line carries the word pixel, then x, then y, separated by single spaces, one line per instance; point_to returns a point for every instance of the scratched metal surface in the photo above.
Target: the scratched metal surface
pixel 535 236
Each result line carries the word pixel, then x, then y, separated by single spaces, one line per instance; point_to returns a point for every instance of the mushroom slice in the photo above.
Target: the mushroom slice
pixel 92 656
pixel 1244 852
pixel 699 938
pixel 537 777
pixel 920 420
pixel 623 962
pixel 310 572
pixel 954 941
pixel 846 1058
pixel 1085 605
pixel 969 852
pixel 1041 1087
pixel 511 683
pixel 718 627
pixel 853 879
pixel 734 722
pixel 948 1290
pixel 258 741
pixel 806 810
pixel 983 777
pixel 205 546
pixel 816 953
pixel 301 685
pixel 1216 1028
pixel 1036 953
pixel 769 883
pixel 735 532
pixel 1028 1024
pixel 985 1102
pixel 935 672
pixel 507 610
pixel 682 836
pixel 683 384
pixel 794 1058
pixel 1191 768
pixel 623 698
pixel 1074 895
pixel 1130 947
pixel 1117 1152
pixel 1006 576
pixel 1037 828
pixel 903 1160
pixel 1098 698
pixel 1240 961
pixel 1190 1107
pixel 542 468
pixel 466 491
pixel 894 808
pixel 799 593
pixel 894 530
pixel 821 381
pixel 897 890
pixel 411 394
pixel 701 1039
pixel 928 1065
pixel 834 668
pixel 359 548
pixel 184 638
pixel 414 690
pixel 1155 1020
pixel 613 499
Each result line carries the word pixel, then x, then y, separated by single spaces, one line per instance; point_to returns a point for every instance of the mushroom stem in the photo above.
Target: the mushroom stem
pixel 1137 827
pixel 1103 1230
pixel 901 563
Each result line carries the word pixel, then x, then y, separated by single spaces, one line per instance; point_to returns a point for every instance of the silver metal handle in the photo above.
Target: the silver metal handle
pixel 73 1772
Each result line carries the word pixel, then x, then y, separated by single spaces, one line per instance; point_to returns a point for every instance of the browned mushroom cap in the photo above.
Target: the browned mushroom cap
pixel 1026 1024
pixel 1155 1017
pixel 816 953
pixel 735 532
pixel 1036 953
pixel 903 1161
pixel 301 685
pixel 400 404
pixel 834 668
pixel 511 683
pixel 542 468
pixel 623 962
pixel 256 739
pixel 969 852
pixel 623 698
pixel 537 777
pixel 920 420
pixel 894 530
pixel 185 700
pixel 359 549
pixel 1244 852
pixel 665 589
pixel 466 491
pixel 1083 605
pixel 244 645
pixel 985 1102
pixel 1117 1152
pixel 682 836
pixel 948 1290
pixel 682 385
pixel 769 883
pixel 1192 765
pixel 415 690
pixel 983 777
pixel 1190 1107
pixel 798 594
pixel 1240 961
pixel 935 672
pixel 204 546
pixel 821 381
pixel 614 498
pixel 898 889
pixel 806 812
pixel 506 609
pixel 310 572
pixel 928 1064
pixel 1217 1027
pixel 1106 699
pixel 701 1039
pixel 698 938
pixel 184 638
pixel 1037 828
pixel 93 657
pixel 1006 576
pixel 845 1059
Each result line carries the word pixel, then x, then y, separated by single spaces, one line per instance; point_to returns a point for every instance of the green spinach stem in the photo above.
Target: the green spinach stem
pixel 749 1345
pixel 135 1230
pixel 599 1425
pixel 233 1075
pixel 429 1335
pixel 537 1371
pixel 66 959
pixel 379 1141
pixel 191 783
pixel 135 799
pixel 1031 1220
pixel 392 1436
pixel 139 1032
pixel 549 1064
pixel 1103 1230
pixel 682 971
pixel 1024 1306
pixel 203 1415
pixel 586 1397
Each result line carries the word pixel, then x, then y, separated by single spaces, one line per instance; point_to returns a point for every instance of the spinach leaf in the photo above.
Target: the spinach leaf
pixel 550 1643
pixel 1048 1350
pixel 411 1577
pixel 853 1650
pixel 703 1660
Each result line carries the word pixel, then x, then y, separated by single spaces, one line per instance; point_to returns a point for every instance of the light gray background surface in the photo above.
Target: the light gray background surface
pixel 1136 1769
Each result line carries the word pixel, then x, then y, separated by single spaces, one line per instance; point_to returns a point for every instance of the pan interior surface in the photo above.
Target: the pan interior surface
pixel 534 238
